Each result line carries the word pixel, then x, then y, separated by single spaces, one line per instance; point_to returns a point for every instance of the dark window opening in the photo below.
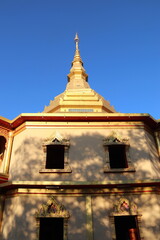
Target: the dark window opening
pixel 55 157
pixel 2 145
pixel 117 156
pixel 126 228
pixel 51 228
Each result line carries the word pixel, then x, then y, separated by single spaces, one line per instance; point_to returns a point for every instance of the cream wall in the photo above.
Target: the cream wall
pixel 86 153
pixel 19 220
pixel 148 208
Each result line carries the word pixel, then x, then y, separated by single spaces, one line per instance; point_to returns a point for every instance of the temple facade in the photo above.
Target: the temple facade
pixel 79 170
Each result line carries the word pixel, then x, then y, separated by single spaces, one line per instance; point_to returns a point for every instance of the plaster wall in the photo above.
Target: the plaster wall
pixel 86 154
pixel 19 220
pixel 148 208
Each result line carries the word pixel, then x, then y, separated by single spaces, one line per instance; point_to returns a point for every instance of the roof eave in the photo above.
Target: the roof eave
pixel 107 117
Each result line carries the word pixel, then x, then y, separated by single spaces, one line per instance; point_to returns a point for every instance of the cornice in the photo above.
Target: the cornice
pixel 3 178
pixel 78 117
pixel 78 184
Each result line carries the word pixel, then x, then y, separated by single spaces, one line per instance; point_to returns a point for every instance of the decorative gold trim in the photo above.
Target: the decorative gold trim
pixel 50 190
pixel 115 138
pixel 124 207
pixel 145 184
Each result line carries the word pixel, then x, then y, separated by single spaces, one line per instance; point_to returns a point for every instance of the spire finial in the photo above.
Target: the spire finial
pixel 76 39
pixel 77 78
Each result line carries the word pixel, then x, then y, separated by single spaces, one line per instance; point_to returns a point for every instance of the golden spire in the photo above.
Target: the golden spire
pixel 77 56
pixel 77 78
pixel 78 96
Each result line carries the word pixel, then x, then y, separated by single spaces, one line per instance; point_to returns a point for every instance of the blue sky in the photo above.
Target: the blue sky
pixel 119 45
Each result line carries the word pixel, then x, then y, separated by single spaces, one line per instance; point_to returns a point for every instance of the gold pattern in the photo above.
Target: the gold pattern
pixel 115 138
pixel 125 207
pixel 52 209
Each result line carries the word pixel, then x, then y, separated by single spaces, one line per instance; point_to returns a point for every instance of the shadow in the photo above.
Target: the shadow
pixel 87 160
pixel 19 221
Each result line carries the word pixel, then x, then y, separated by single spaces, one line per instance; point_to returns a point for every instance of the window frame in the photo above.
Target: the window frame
pixel 114 141
pixel 56 142
pixel 131 210
pixel 58 211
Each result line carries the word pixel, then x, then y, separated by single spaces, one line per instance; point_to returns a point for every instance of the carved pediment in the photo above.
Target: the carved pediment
pixel 125 207
pixel 52 209
pixel 115 138
pixel 56 139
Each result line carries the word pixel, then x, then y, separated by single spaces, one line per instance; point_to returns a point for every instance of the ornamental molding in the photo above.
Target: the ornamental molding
pixel 52 209
pixel 125 207
pixel 56 139
pixel 114 138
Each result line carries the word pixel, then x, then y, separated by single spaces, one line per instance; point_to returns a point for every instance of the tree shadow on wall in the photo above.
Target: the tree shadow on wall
pixel 148 210
pixel 86 158
pixel 19 220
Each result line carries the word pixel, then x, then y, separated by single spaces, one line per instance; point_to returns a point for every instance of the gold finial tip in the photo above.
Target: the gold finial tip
pixel 76 39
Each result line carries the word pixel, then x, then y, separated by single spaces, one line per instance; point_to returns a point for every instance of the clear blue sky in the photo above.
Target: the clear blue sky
pixel 119 45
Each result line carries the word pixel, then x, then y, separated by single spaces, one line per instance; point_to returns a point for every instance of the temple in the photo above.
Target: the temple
pixel 79 169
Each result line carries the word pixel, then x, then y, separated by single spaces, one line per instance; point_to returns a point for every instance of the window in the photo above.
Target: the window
pixel 51 228
pixel 56 156
pixel 117 155
pixel 2 146
pixel 126 227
